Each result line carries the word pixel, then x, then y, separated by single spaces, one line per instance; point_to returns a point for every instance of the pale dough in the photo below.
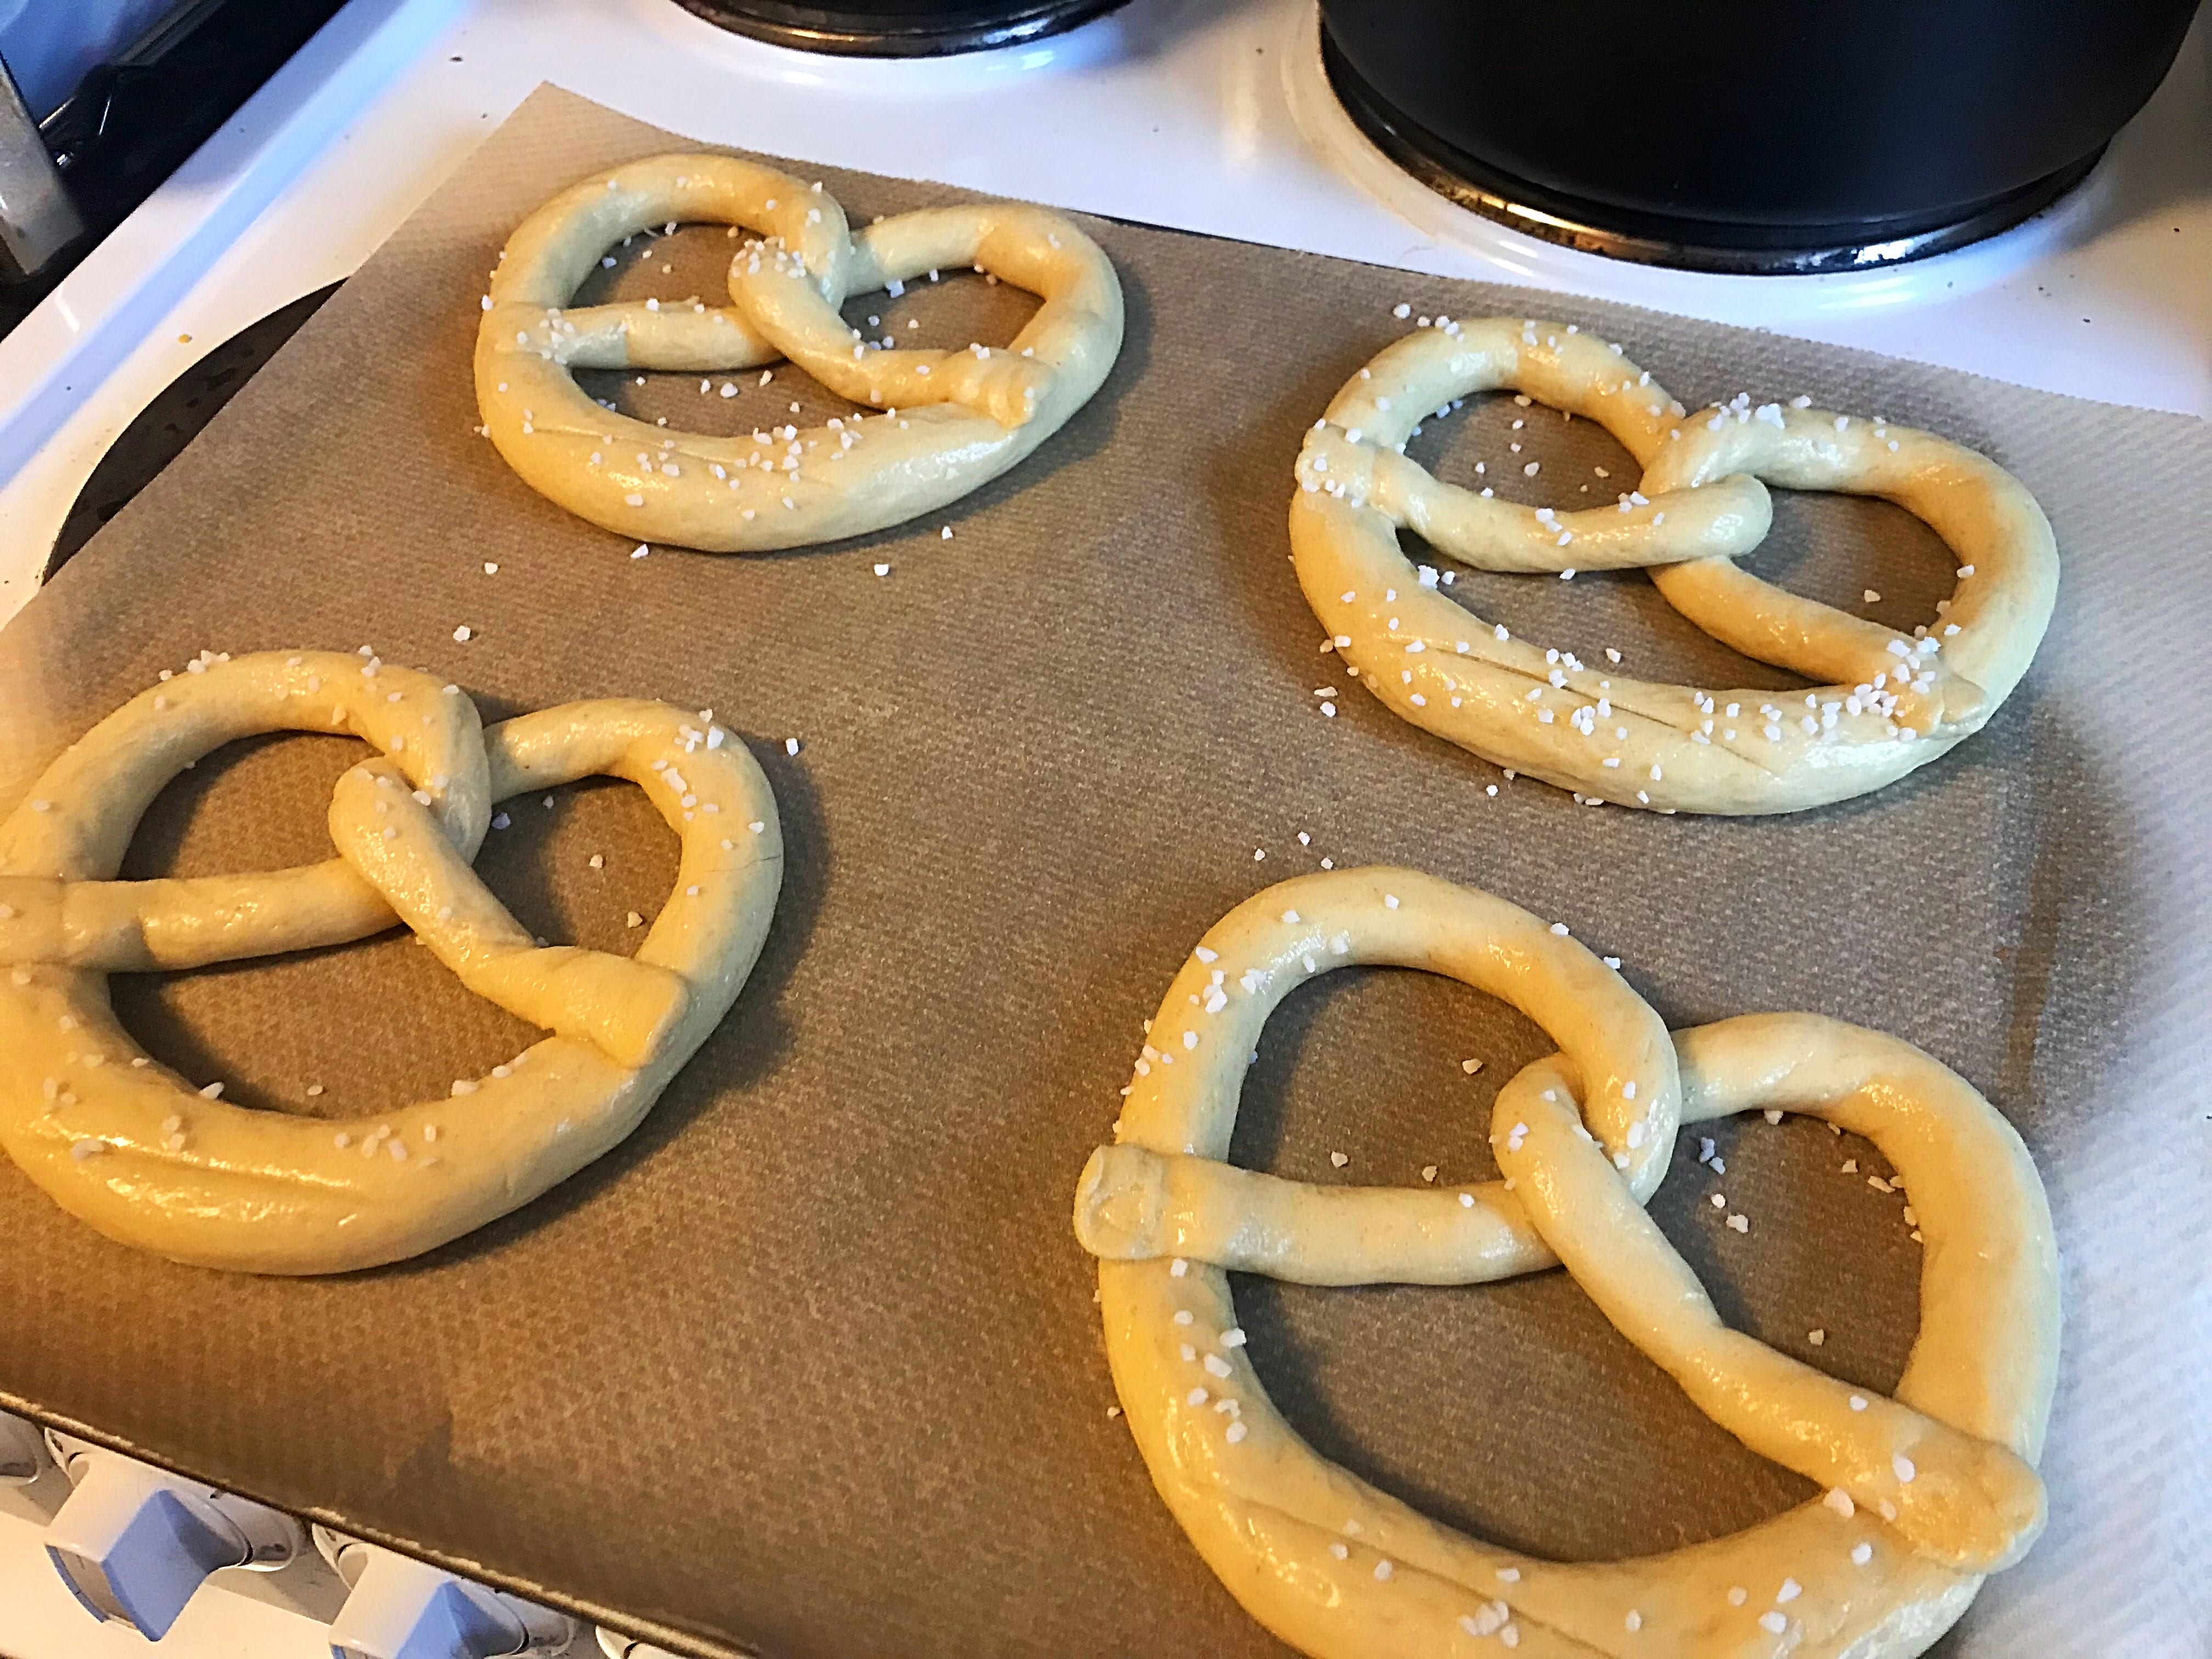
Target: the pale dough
pixel 1896 702
pixel 133 1149
pixel 955 419
pixel 1341 1570
pixel 60 904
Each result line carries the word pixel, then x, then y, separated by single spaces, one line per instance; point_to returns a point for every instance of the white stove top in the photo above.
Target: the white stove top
pixel 1206 115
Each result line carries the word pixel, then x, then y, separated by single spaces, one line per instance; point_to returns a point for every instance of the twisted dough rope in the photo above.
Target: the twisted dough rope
pixel 127 1146
pixel 956 419
pixel 60 848
pixel 1927 1491
pixel 1897 701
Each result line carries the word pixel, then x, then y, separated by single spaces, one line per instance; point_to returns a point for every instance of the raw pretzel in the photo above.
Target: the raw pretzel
pixel 1897 702
pixel 127 1146
pixel 1925 1492
pixel 59 850
pixel 955 419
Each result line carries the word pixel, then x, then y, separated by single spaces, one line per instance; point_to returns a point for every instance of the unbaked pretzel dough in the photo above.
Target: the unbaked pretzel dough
pixel 1926 1491
pixel 60 904
pixel 1898 700
pixel 955 419
pixel 1152 1195
pixel 127 1146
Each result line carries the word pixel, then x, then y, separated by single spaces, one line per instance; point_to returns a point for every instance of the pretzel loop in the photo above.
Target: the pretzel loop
pixel 1169 1191
pixel 1969 1503
pixel 1896 702
pixel 1355 454
pixel 954 420
pixel 623 474
pixel 60 904
pixel 1926 1491
pixel 131 1148
pixel 1051 369
pixel 1945 685
pixel 548 257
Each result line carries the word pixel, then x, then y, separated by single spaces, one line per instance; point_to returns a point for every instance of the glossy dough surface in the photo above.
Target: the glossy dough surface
pixel 1925 1492
pixel 954 420
pixel 127 1146
pixel 1893 701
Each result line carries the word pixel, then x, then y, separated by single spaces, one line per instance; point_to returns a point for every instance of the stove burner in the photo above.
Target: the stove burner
pixel 1658 240
pixel 899 28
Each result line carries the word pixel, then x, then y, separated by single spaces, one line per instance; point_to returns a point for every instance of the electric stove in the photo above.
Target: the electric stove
pixel 1212 116
pixel 899 28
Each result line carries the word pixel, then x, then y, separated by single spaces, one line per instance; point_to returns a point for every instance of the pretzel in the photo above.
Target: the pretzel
pixel 954 420
pixel 1924 1493
pixel 1896 702
pixel 126 1144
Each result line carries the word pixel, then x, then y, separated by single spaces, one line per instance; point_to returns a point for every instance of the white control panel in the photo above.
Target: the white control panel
pixel 134 1544
pixel 397 1607
pixel 100 1552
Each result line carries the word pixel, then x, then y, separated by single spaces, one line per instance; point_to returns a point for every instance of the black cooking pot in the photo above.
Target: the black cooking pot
pixel 899 28
pixel 1784 135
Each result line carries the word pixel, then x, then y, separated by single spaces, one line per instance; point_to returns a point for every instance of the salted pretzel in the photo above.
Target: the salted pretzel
pixel 952 420
pixel 1924 1493
pixel 1894 701
pixel 128 1146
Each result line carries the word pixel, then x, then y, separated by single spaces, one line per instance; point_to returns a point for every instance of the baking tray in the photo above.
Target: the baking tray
pixel 809 1365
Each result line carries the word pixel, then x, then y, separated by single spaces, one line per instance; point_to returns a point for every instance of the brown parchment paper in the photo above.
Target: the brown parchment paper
pixel 810 1366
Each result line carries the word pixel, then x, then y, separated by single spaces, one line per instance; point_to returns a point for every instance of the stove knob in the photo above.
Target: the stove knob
pixel 629 1647
pixel 22 1454
pixel 396 1607
pixel 133 1543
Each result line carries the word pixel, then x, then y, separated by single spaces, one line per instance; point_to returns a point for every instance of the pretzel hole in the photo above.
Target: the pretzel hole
pixel 1598 610
pixel 540 865
pixel 1837 548
pixel 257 803
pixel 1824 1251
pixel 691 266
pixel 1833 548
pixel 378 1023
pixel 1473 446
pixel 1367 1061
pixel 674 401
pixel 693 263
pixel 1514 1411
pixel 960 309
